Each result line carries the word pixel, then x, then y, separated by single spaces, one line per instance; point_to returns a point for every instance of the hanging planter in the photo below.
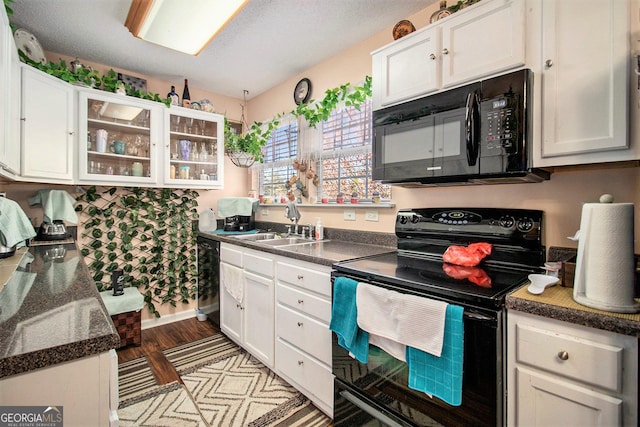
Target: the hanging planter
pixel 240 158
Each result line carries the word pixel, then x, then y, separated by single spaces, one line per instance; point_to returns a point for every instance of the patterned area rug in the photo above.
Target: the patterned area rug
pixel 169 406
pixel 136 381
pixel 232 388
pixel 223 386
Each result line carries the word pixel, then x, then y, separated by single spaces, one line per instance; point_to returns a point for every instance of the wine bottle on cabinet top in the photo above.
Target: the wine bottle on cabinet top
pixel 443 12
pixel 186 98
pixel 175 99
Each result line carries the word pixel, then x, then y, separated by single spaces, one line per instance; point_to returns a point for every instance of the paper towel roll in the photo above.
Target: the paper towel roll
pixel 604 277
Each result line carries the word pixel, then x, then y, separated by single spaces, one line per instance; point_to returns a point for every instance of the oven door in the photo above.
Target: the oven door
pixel 378 390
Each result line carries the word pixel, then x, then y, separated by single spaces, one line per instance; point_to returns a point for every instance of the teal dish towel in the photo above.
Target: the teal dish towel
pixel 15 227
pixel 56 204
pixel 441 376
pixel 344 315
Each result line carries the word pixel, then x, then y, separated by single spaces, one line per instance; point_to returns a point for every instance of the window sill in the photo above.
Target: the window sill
pixel 367 205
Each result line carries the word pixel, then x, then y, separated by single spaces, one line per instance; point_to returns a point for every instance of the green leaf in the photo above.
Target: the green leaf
pixel 97 233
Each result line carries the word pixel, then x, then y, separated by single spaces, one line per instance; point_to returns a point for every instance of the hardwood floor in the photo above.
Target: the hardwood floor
pixel 155 340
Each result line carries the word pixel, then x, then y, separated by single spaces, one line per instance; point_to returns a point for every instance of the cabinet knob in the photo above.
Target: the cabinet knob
pixel 300 362
pixel 548 63
pixel 563 355
pixel 300 277
pixel 299 324
pixel 445 51
pixel 23 119
pixel 300 301
pixel 432 57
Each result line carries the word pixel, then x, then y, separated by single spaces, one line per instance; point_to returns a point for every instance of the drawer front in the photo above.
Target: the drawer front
pixel 577 358
pixel 308 373
pixel 230 255
pixel 315 281
pixel 308 304
pixel 256 263
pixel 305 333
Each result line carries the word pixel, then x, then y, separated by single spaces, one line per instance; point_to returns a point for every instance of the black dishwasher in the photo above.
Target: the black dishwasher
pixel 209 278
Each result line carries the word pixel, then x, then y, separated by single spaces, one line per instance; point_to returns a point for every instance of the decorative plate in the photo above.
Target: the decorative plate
pixel 402 28
pixel 27 42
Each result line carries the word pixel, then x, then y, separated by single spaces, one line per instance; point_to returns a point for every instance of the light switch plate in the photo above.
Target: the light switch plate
pixel 265 211
pixel 350 215
pixel 371 216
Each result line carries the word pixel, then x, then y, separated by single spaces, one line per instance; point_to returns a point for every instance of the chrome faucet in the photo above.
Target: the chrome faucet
pixel 292 213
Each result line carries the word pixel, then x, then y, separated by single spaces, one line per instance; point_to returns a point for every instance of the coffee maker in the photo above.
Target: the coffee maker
pixel 239 223
pixel 238 213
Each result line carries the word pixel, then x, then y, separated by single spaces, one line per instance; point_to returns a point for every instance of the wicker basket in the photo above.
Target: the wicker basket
pixel 128 327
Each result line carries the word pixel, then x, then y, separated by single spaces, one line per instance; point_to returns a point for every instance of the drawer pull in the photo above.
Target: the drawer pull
pixel 299 324
pixel 300 301
pixel 563 355
pixel 300 362
pixel 300 277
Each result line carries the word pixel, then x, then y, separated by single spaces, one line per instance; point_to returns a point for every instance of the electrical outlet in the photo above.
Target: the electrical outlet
pixel 265 211
pixel 350 215
pixel 371 216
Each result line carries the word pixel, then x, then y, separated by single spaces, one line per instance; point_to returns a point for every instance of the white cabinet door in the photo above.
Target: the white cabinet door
pixel 9 101
pixel 137 126
pixel 230 312
pixel 406 69
pixel 583 77
pixel 547 401
pixel 193 149
pixel 259 317
pixel 47 127
pixel 487 39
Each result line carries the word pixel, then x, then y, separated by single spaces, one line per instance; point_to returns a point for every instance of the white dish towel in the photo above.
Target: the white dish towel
pixel 233 281
pixel 401 318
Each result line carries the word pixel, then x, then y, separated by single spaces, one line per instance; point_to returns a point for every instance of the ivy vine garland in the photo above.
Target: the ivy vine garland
pixel 146 232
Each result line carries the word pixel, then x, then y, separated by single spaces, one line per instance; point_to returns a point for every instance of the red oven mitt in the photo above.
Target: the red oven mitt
pixel 473 274
pixel 468 256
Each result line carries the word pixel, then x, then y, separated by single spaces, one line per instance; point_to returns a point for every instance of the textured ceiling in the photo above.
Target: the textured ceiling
pixel 267 43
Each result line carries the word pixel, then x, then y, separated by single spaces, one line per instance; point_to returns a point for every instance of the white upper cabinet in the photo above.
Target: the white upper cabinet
pixel 579 52
pixel 487 39
pixel 47 128
pixel 193 148
pixel 484 39
pixel 120 139
pixel 9 101
pixel 406 69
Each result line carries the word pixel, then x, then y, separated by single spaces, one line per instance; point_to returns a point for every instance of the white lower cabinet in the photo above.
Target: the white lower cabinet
pixel 86 389
pixel 565 374
pixel 250 321
pixel 287 330
pixel 303 343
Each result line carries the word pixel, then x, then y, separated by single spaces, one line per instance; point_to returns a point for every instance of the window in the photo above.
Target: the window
pixel 346 155
pixel 278 166
pixel 339 151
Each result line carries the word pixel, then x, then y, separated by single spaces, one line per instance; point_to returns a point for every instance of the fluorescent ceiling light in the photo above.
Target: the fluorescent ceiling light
pixel 185 26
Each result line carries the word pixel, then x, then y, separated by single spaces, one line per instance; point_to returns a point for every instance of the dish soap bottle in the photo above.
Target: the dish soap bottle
pixel 319 230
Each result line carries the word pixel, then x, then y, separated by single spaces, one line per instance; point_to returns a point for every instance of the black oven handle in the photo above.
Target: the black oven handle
pixel 472 127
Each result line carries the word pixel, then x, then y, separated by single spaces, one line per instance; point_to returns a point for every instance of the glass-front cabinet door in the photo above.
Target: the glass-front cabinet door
pixel 120 139
pixel 194 150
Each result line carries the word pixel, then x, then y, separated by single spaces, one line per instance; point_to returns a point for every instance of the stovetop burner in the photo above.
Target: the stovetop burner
pixel 424 235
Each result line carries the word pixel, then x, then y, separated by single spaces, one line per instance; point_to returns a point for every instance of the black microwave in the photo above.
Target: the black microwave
pixel 477 133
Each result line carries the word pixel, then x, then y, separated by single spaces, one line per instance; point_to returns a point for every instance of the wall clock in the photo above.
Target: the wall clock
pixel 302 92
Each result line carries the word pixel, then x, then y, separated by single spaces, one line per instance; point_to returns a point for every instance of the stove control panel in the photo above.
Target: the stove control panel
pixel 510 225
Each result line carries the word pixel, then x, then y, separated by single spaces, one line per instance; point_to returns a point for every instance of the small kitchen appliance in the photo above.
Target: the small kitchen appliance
pixel 57 206
pixel 55 230
pixel 605 264
pixel 238 213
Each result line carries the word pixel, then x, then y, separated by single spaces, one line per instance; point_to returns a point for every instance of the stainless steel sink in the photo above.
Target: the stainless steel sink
pixel 285 241
pixel 257 237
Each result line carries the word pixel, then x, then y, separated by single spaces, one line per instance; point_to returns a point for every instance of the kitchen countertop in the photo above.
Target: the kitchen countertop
pixel 324 252
pixel 557 302
pixel 50 310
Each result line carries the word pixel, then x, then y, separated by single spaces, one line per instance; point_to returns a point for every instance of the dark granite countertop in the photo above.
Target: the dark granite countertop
pixel 50 311
pixel 557 303
pixel 324 252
